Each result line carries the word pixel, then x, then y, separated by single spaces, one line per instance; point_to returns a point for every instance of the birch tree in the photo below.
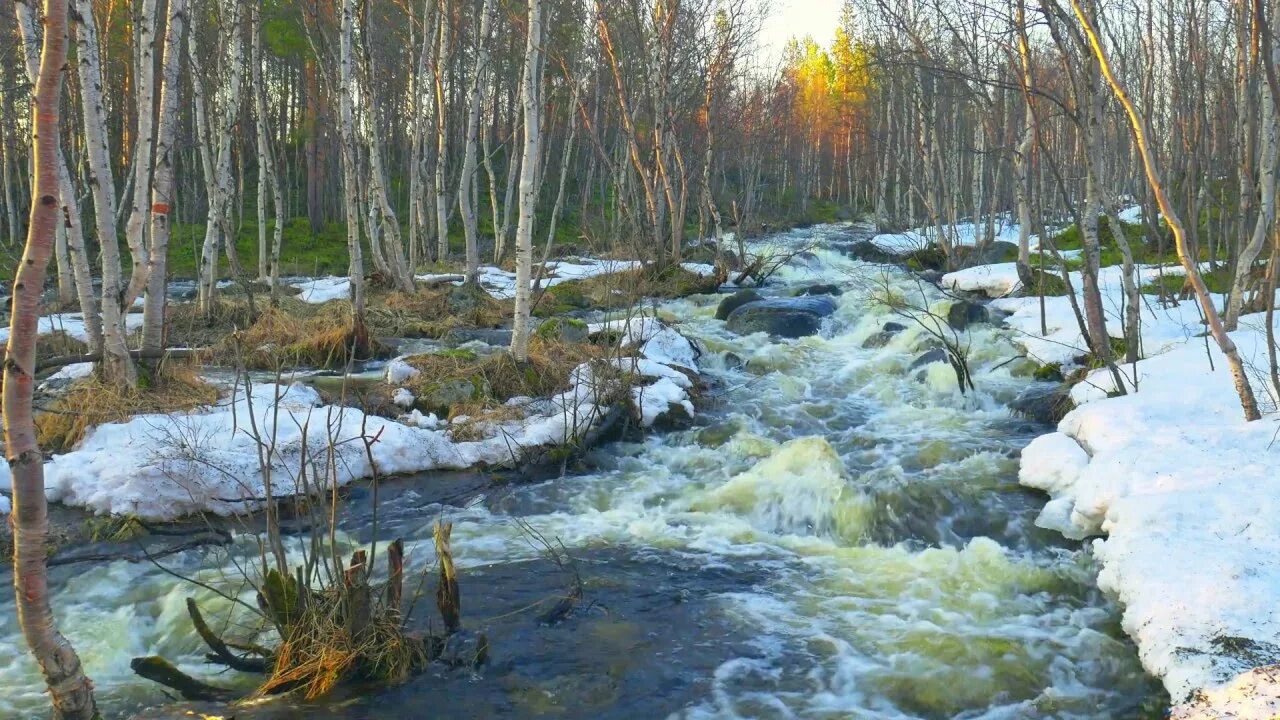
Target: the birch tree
pixel 531 104
pixel 69 688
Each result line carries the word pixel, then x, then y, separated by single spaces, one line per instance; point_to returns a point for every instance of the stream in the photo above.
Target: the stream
pixel 837 536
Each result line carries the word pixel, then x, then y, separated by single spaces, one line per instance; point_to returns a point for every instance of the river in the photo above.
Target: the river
pixel 838 536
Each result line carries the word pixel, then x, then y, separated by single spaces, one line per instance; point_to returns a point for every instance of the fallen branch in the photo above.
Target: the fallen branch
pixel 62 360
pixel 159 670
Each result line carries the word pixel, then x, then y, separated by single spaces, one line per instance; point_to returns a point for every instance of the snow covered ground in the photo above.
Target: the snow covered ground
pixel 1186 493
pixel 72 324
pixel 500 283
pixel 1162 327
pixel 220 458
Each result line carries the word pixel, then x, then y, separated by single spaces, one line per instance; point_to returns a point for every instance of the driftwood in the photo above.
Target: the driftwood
pixel 442 279
pixel 61 360
pixel 221 652
pixel 157 669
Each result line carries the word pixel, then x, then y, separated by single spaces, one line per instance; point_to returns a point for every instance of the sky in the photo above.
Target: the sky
pixel 797 18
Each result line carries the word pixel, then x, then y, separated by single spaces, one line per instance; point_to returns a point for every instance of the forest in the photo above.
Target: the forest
pixel 905 357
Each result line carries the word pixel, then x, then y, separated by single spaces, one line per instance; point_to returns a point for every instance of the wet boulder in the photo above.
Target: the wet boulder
pixel 964 313
pixel 820 289
pixel 735 301
pixel 868 251
pixel 935 355
pixel 442 396
pixel 564 329
pixel 1044 403
pixel 783 317
pixel 883 337
pixel 489 336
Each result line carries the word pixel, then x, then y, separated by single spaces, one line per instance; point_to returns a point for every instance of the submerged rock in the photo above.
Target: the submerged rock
pixel 883 337
pixel 933 356
pixel 784 317
pixel 735 301
pixel 820 289
pixel 964 313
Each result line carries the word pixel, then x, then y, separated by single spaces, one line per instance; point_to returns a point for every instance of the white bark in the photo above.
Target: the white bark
pixel 531 102
pixel 135 229
pixel 351 183
pixel 75 282
pixel 467 184
pixel 162 186
pixel 119 367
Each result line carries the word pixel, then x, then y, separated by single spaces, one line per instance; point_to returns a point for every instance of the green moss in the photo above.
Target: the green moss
pixel 459 354
pixel 1218 281
pixel 1051 372
pixel 926 259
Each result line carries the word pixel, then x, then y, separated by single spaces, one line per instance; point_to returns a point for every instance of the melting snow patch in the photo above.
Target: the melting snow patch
pixel 1186 493
pixel 322 290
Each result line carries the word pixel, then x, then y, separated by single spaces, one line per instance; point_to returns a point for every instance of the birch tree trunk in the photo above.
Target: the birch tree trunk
pixel 75 282
pixel 69 688
pixel 531 102
pixel 350 176
pixel 163 187
pixel 1267 167
pixel 467 184
pixel 135 228
pixel 442 133
pixel 115 353
pixel 268 173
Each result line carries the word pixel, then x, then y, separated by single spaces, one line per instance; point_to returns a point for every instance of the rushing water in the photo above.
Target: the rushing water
pixel 837 537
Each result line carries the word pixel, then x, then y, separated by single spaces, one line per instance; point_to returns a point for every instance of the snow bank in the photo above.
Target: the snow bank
pixel 1162 327
pixel 994 280
pixel 962 234
pixel 1186 493
pixel 72 324
pixel 218 459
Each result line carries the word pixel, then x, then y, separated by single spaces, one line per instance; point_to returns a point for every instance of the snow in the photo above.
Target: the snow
pixel 1131 214
pixel 994 280
pixel 1161 327
pixel 657 341
pixel 4 505
pixel 72 324
pixel 398 371
pixel 74 371
pixel 403 398
pixel 499 283
pixel 962 234
pixel 1184 491
pixel 321 290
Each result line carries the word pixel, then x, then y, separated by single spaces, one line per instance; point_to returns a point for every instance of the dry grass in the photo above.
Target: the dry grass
pixel 500 376
pixel 481 417
pixel 319 336
pixel 432 312
pixel 624 289
pixel 90 401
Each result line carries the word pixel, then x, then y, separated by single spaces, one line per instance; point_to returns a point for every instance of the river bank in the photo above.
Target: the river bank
pixel 1167 485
